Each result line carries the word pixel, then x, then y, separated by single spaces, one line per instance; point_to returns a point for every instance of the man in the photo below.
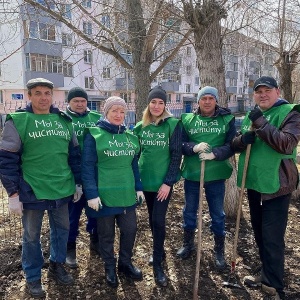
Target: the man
pixel 82 117
pixel 39 154
pixel 273 127
pixel 207 135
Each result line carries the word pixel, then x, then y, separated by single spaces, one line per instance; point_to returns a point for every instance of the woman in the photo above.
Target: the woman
pixel 160 139
pixel 110 181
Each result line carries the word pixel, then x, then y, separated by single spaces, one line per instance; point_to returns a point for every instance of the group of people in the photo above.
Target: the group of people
pixel 102 167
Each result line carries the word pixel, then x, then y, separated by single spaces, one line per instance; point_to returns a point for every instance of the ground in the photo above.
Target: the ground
pixel 90 280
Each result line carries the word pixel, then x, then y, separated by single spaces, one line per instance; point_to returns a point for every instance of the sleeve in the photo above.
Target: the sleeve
pixel 225 151
pixel 176 154
pixel 187 146
pixel 10 158
pixel 136 173
pixel 89 168
pixel 75 158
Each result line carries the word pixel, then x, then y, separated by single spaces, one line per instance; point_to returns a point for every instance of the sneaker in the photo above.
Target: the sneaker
pixel 35 289
pixel 270 293
pixel 253 280
pixel 58 272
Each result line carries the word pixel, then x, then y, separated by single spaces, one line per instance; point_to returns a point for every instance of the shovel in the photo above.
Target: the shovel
pixel 232 282
pixel 196 282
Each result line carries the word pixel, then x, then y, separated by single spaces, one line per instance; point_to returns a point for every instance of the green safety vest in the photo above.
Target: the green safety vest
pixel 45 139
pixel 264 162
pixel 155 154
pixel 115 152
pixel 81 122
pixel 211 130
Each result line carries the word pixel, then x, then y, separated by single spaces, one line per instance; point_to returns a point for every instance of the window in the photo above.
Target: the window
pixel 87 3
pixel 48 3
pixel 188 70
pixel 235 67
pixel 87 28
pixel 126 97
pixel 105 20
pixel 89 83
pixel 66 11
pixel 41 31
pixel 232 82
pixel 106 73
pixel 188 51
pixel 66 39
pixel 169 98
pixel 88 56
pixel 187 88
pixel 43 63
pixel 178 98
pixel 197 80
pixel 17 97
pixel 67 69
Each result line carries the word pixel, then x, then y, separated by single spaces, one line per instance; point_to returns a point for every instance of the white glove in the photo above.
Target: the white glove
pixel 140 198
pixel 15 206
pixel 201 147
pixel 78 193
pixel 95 203
pixel 207 156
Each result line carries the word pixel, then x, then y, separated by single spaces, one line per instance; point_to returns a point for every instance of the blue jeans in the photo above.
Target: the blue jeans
pixel 32 254
pixel 75 210
pixel 214 191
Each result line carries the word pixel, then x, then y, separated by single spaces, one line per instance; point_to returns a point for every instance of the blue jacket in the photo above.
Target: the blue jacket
pixel 89 180
pixel 10 165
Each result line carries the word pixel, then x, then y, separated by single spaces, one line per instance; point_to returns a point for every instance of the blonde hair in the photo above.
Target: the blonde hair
pixel 147 116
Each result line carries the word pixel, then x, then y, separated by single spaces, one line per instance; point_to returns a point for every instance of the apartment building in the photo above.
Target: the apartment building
pixel 36 45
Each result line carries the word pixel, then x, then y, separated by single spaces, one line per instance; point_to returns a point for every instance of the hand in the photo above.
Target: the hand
pixel 95 203
pixel 15 206
pixel 248 137
pixel 140 198
pixel 163 192
pixel 78 193
pixel 255 114
pixel 202 147
pixel 206 156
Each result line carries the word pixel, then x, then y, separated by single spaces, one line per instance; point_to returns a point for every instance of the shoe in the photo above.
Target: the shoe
pixel 58 272
pixel 219 249
pixel 35 289
pixel 150 261
pixel 270 293
pixel 71 261
pixel 188 244
pixel 159 276
pixel 111 277
pixel 130 271
pixel 253 280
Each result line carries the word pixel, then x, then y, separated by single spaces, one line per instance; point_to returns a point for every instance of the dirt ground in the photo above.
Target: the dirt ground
pixel 90 280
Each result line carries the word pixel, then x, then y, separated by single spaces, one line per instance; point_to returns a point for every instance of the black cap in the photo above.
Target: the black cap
pixel 157 92
pixel 39 82
pixel 265 81
pixel 77 92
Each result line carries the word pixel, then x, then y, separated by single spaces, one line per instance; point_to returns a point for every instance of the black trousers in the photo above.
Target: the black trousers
pixel 157 211
pixel 269 221
pixel 127 225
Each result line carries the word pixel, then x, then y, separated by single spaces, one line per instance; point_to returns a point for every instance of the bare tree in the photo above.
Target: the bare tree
pixel 138 27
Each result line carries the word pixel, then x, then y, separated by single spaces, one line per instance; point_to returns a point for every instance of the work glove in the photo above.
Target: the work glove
pixel 78 193
pixel 255 114
pixel 202 147
pixel 206 156
pixel 248 137
pixel 140 198
pixel 95 203
pixel 15 206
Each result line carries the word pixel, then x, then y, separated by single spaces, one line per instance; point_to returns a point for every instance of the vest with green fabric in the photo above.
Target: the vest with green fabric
pixel 45 139
pixel 155 153
pixel 115 152
pixel 211 130
pixel 81 122
pixel 264 162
